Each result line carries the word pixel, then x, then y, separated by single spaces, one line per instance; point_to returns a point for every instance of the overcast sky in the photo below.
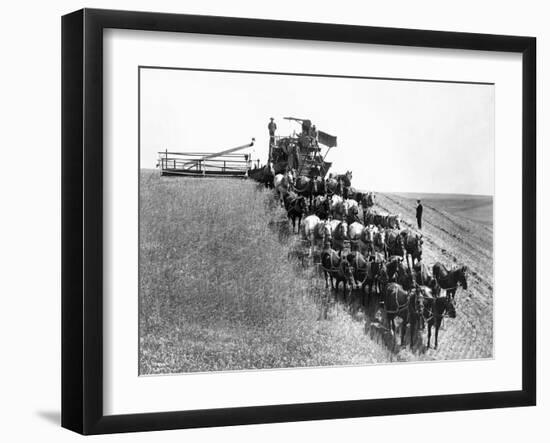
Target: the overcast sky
pixel 400 136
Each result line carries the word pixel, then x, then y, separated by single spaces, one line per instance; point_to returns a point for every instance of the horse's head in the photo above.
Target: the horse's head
pixel 369 233
pixel 394 221
pixel 462 277
pixel 417 299
pixel 395 267
pixel 342 230
pixel 353 214
pixel 327 230
pixel 346 178
pixel 371 198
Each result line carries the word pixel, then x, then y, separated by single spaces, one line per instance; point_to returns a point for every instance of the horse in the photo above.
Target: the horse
pixel 355 231
pixel 340 236
pixel 353 215
pixel 390 221
pixel 367 200
pixel 288 197
pixel 433 312
pixel 354 194
pixel 297 208
pixel 309 229
pixel 394 243
pixel 337 208
pixel 399 273
pixel 368 216
pixel 268 175
pixel 351 208
pixel 308 187
pixel 359 265
pixel 366 241
pixel 413 246
pixel 407 305
pixel 422 274
pixel 364 271
pixel 379 243
pixel 333 186
pixel 282 184
pixel 450 280
pixel 337 268
pixel 345 179
pixel 321 207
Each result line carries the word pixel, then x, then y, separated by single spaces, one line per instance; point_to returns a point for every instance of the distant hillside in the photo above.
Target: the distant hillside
pixel 478 208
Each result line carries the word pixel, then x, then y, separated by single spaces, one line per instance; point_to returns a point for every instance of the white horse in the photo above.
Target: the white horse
pixel 366 243
pixel 282 184
pixel 309 230
pixel 354 231
pixel 350 203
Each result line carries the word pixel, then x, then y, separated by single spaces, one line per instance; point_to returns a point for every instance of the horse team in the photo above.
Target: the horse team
pixel 369 253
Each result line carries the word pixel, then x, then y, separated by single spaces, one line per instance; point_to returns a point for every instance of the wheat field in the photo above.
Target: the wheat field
pixel 223 286
pixel 218 290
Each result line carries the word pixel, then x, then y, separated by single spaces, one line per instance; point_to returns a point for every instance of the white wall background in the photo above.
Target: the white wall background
pixel 30 221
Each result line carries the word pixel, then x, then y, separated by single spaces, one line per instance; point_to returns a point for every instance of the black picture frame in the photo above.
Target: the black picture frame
pixel 82 220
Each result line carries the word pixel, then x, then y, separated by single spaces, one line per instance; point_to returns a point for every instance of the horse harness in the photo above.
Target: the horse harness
pixel 403 306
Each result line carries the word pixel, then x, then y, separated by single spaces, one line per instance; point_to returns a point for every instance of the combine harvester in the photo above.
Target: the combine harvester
pixel 227 163
pixel 301 151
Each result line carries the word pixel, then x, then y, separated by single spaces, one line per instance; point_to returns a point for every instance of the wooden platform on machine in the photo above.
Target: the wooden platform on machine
pixel 225 163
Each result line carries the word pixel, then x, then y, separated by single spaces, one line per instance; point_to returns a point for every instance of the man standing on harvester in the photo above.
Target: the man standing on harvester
pixel 272 126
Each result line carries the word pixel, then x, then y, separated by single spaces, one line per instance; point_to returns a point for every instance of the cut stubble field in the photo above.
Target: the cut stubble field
pixel 220 289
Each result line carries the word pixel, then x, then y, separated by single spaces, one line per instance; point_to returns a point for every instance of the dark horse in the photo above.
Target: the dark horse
pixel 296 209
pixel 333 186
pixel 353 215
pixel 422 274
pixel 267 176
pixel 399 273
pixel 413 246
pixel 309 187
pixel 450 280
pixel 434 310
pixel 365 271
pixel 394 243
pixel 340 235
pixel 321 207
pixel 407 305
pixel 345 179
pixel 337 268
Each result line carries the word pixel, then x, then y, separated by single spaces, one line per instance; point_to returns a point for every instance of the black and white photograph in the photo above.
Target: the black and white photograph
pixel 291 220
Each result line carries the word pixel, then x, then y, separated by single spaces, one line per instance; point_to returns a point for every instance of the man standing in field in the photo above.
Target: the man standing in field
pixel 419 210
